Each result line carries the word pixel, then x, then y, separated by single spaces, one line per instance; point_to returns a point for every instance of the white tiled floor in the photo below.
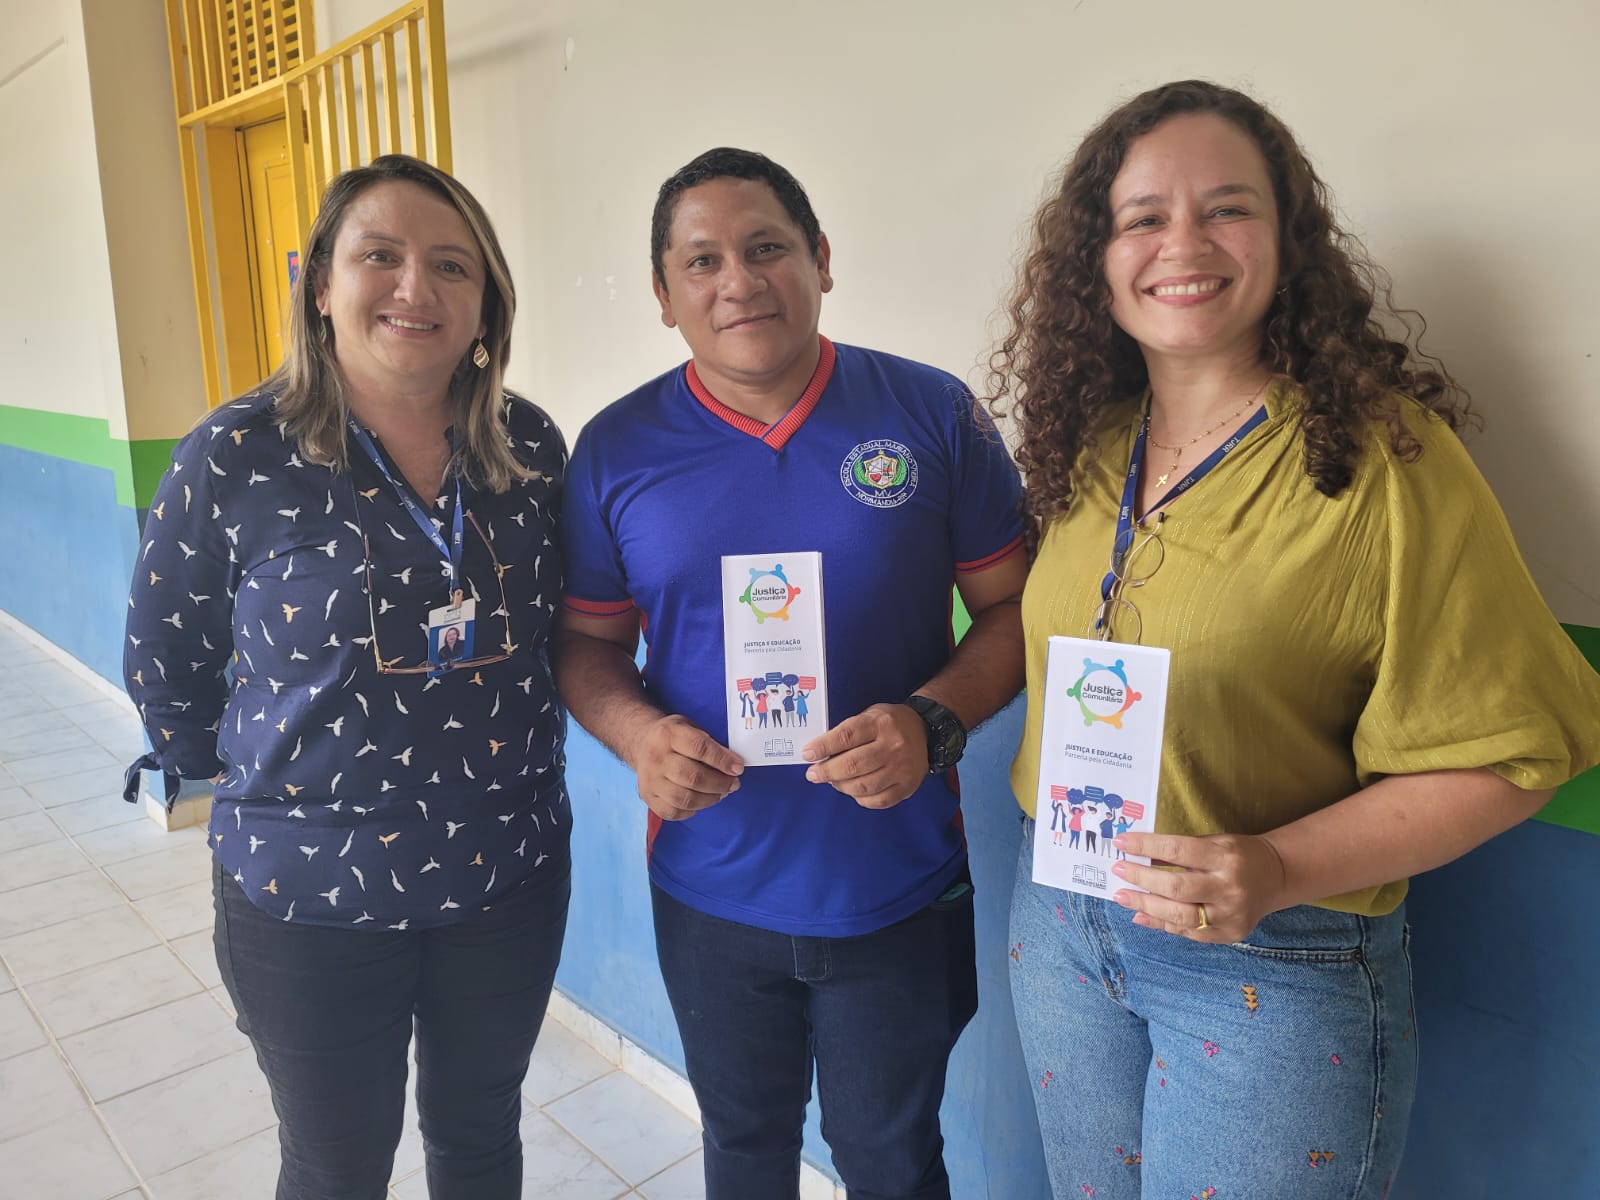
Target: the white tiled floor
pixel 121 1073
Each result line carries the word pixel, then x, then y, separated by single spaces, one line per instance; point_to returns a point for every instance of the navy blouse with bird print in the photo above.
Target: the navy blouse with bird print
pixel 352 795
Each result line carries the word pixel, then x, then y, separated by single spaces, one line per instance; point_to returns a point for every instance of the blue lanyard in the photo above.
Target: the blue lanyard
pixel 1130 486
pixel 451 552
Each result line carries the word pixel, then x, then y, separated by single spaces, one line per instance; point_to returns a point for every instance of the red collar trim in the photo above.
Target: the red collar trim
pixel 778 434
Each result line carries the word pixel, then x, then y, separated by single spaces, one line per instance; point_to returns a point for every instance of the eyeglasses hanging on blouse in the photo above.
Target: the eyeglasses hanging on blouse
pixel 1136 555
pixel 387 666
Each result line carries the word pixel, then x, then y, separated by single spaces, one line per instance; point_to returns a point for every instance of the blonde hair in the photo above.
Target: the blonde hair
pixel 309 388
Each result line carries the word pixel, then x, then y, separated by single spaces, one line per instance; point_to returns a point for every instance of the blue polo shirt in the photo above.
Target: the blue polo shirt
pixel 885 467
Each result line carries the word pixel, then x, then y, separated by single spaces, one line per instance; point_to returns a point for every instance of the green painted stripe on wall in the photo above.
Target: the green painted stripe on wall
pixel 149 459
pixel 1577 806
pixel 960 621
pixel 137 466
pixel 78 439
pixel 1588 641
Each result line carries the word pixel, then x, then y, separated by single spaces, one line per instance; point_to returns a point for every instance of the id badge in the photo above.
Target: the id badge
pixel 450 633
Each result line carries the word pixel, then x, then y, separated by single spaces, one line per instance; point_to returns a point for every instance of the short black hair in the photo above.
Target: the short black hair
pixel 726 162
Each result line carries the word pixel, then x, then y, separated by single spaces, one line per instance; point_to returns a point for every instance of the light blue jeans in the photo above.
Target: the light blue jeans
pixel 1282 1067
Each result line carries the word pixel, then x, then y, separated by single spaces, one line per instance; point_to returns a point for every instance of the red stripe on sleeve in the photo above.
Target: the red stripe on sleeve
pixel 1014 546
pixel 598 608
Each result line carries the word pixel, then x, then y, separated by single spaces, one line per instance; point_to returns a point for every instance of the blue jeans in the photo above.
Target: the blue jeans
pixel 1164 1069
pixel 877 1015
pixel 331 1012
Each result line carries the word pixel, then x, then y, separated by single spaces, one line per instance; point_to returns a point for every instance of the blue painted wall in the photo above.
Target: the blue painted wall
pixel 1507 960
pixel 1506 953
pixel 69 554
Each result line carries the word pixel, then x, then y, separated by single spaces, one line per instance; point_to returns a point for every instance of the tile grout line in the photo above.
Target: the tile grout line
pixel 670 1166
pixel 55 654
pixel 127 902
pixel 572 1091
pixel 94 1106
pixel 616 1069
pixel 22 989
pixel 55 1043
pixel 595 1154
pixel 592 1031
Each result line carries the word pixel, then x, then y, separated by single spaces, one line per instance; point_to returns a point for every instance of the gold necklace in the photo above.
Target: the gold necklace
pixel 1177 451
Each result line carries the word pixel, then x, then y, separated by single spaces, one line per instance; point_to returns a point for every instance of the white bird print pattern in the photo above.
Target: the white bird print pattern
pixel 245 545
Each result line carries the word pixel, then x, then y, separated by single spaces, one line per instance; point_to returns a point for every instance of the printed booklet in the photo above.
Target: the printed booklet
pixel 1099 759
pixel 773 651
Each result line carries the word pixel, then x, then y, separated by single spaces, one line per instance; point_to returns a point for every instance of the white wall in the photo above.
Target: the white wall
pixel 1458 137
pixel 59 350
pixel 141 187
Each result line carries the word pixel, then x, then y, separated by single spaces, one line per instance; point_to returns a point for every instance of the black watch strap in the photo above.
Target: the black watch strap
pixel 947 736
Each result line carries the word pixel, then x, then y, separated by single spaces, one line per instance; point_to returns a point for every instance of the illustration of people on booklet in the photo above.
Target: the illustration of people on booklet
pixel 1058 813
pixel 775 699
pixel 1091 816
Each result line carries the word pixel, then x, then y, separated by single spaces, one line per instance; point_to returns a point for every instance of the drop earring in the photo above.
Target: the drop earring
pixel 480 355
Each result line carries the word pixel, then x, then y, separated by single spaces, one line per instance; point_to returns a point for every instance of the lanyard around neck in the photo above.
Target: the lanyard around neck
pixel 1130 485
pixel 450 552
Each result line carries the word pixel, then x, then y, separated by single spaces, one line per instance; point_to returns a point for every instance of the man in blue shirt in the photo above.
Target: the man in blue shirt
pixel 806 916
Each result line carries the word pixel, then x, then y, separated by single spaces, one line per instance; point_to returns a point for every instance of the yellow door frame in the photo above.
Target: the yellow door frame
pixel 238 63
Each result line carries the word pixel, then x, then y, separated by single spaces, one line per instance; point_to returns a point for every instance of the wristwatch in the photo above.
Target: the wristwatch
pixel 947 737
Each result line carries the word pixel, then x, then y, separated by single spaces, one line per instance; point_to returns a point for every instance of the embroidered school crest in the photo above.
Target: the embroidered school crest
pixel 879 473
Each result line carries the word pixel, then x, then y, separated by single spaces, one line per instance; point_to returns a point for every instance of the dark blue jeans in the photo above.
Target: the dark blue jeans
pixel 331 1012
pixel 876 1015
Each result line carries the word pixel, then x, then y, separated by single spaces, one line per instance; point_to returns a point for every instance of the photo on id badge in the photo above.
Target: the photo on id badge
pixel 450 634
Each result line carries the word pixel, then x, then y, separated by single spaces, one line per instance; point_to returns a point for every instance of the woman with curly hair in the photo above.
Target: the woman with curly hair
pixel 1210 385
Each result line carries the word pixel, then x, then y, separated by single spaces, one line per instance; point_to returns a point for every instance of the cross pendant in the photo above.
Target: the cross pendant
pixel 1161 480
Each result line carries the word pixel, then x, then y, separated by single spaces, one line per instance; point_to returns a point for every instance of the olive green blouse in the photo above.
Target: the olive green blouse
pixel 1318 643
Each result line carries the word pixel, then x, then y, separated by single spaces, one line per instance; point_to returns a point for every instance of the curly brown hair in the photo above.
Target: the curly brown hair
pixel 1064 360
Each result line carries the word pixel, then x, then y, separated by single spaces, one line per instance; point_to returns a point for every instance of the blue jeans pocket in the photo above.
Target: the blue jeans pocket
pixel 1331 955
pixel 1310 935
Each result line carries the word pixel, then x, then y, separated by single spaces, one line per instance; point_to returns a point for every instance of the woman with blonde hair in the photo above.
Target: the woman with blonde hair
pixel 390 823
